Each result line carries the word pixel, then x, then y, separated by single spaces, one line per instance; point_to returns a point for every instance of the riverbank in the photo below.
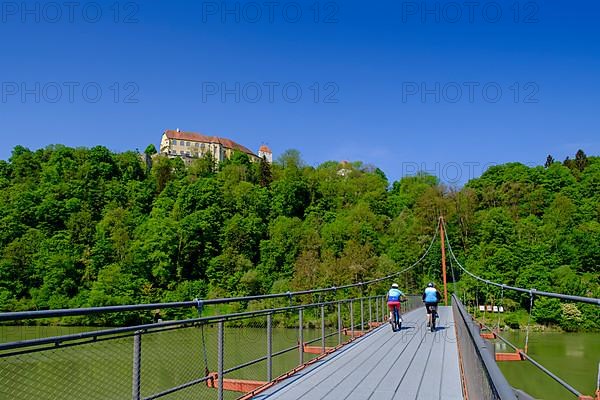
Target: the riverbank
pixel 520 321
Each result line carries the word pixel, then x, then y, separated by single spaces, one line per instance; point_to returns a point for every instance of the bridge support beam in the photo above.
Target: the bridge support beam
pixel 316 349
pixel 233 385
pixel 516 356
pixel 353 333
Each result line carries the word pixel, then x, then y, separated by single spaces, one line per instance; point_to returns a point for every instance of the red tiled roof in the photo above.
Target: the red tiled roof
pixel 265 149
pixel 198 137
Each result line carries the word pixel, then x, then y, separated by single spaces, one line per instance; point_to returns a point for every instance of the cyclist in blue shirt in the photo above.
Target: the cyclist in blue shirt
pixel 431 298
pixel 395 296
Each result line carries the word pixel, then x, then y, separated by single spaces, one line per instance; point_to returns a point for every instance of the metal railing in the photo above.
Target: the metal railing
pixel 535 363
pixel 482 378
pixel 192 358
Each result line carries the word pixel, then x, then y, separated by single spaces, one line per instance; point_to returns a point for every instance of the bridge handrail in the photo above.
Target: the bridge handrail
pixel 501 390
pixel 166 325
pixel 71 312
pixel 155 348
pixel 535 363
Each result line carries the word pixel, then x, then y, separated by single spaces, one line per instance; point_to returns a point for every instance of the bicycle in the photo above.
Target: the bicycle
pixel 396 321
pixel 431 316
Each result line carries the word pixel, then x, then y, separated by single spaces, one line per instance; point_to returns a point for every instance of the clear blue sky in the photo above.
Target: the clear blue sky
pixel 387 78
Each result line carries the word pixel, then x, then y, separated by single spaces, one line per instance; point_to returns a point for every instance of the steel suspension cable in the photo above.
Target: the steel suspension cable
pixel 453 277
pixel 501 305
pixel 580 299
pixel 412 265
pixel 528 322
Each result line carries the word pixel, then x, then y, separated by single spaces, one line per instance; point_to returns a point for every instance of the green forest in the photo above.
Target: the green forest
pixel 89 227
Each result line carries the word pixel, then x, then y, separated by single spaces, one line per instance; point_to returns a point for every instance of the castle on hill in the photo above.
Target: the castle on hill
pixel 191 145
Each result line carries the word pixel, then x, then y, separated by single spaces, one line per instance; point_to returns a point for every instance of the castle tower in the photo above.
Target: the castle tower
pixel 266 152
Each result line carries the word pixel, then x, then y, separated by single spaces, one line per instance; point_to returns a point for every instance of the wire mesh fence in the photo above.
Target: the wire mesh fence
pixel 71 372
pixel 482 377
pixel 187 359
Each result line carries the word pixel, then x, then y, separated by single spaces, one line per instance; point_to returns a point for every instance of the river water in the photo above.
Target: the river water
pixel 574 357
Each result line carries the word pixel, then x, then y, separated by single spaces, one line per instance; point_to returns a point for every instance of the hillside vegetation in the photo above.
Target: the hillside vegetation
pixel 88 227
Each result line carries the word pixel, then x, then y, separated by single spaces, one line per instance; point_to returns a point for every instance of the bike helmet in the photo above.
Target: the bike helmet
pixel 430 284
pixel 395 285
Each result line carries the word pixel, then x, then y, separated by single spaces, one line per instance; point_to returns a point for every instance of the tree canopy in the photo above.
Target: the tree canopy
pixel 89 227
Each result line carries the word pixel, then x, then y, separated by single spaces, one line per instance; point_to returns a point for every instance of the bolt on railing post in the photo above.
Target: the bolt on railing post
pixel 220 360
pixel 352 319
pixel 339 315
pixel 269 347
pixel 300 337
pixel 362 315
pixel 137 366
pixel 323 329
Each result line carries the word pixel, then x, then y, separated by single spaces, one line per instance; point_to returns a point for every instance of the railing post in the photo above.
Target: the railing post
pixel 269 347
pixel 352 318
pixel 370 315
pixel 137 366
pixel 323 329
pixel 300 337
pixel 220 357
pixel 383 313
pixel 362 315
pixel 377 308
pixel 339 315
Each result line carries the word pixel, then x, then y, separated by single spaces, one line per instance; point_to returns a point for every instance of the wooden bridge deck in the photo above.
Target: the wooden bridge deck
pixel 413 363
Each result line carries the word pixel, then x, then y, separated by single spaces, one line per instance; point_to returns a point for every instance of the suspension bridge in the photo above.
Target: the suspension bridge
pixel 328 343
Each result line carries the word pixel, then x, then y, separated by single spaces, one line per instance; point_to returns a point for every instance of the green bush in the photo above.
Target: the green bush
pixel 512 321
pixel 571 317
